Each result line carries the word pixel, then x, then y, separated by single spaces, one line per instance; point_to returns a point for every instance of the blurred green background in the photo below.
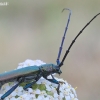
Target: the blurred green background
pixel 33 29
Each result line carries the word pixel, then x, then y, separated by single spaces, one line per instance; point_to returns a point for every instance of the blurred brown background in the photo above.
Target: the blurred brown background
pixel 32 29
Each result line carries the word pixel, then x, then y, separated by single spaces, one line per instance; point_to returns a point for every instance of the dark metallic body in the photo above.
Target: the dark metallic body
pixel 28 73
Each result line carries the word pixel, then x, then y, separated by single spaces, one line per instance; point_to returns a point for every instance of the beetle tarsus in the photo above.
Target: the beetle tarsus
pixel 59 86
pixel 58 89
pixel 61 82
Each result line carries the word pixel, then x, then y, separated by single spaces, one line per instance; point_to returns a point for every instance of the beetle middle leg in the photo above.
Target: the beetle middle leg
pixel 32 83
pixel 20 80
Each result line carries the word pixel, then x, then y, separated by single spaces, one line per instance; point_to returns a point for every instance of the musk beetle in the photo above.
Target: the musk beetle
pixel 36 72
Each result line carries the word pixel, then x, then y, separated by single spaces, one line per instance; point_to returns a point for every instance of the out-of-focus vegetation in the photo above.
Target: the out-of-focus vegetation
pixel 33 29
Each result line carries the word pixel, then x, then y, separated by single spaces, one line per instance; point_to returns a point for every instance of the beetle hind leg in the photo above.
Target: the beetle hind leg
pixel 20 80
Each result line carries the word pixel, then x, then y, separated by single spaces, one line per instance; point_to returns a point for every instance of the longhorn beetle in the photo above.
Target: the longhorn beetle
pixel 36 72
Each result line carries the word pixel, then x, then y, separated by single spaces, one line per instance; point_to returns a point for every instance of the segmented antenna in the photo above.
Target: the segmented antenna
pixel 67 51
pixel 60 49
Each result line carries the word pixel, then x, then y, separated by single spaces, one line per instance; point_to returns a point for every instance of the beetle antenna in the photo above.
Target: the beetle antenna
pixel 60 49
pixel 67 51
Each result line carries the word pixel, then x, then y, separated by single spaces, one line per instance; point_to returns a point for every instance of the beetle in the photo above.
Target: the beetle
pixel 36 72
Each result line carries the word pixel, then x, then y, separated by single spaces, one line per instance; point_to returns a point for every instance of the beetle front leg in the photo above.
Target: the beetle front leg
pixel 53 80
pixel 12 89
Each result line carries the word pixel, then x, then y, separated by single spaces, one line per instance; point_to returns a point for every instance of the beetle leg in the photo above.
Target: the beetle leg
pixel 29 85
pixel 53 80
pixel 12 89
pixel 58 81
pixel 52 76
pixel 32 83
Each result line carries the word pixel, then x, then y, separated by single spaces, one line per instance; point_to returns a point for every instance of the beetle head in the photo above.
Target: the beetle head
pixel 56 69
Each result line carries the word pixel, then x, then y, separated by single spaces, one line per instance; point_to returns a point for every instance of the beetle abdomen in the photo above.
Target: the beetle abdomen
pixel 19 73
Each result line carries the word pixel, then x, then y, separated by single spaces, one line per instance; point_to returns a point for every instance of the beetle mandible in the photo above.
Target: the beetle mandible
pixel 36 72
